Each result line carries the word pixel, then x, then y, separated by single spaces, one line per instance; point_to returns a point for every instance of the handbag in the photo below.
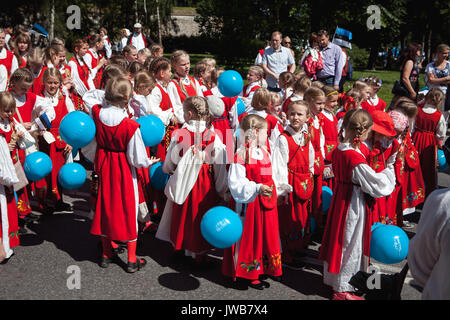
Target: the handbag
pixel 23 181
pixel 399 89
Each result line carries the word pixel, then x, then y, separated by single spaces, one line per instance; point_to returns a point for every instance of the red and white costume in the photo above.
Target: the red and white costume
pixel 92 58
pixel 374 104
pixel 8 209
pixel 38 82
pixel 196 160
pixel 258 250
pixel 120 149
pixel 346 241
pixel 430 129
pixel 247 94
pixel 9 60
pixel 293 168
pixel 82 79
pixel 331 135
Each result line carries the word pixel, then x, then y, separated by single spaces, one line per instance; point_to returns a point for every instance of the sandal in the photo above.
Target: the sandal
pixel 136 266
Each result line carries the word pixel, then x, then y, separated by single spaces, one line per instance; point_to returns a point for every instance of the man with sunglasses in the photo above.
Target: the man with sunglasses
pixel 287 43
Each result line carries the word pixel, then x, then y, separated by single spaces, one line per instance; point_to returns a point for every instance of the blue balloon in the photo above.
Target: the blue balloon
pixel 443 165
pixel 327 194
pixel 230 83
pixel 157 176
pixel 240 106
pixel 72 176
pixel 152 130
pixel 389 244
pixel 376 225
pixel 37 166
pixel 77 129
pixel 221 227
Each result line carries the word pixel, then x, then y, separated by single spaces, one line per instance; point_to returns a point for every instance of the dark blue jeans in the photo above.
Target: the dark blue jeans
pixel 328 81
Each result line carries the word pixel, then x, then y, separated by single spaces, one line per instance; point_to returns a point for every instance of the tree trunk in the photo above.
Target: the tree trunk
pixel 52 21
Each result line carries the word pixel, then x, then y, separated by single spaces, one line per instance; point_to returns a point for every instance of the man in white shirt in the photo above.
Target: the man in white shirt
pixel 138 39
pixel 276 59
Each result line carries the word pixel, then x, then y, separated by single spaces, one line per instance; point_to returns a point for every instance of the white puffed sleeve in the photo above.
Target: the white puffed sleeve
pixel 3 78
pixel 139 104
pixel 43 105
pixel 375 184
pixel 154 100
pixel 176 101
pixel 280 158
pixel 136 152
pixel 220 167
pixel 441 129
pixel 8 174
pixel 242 189
pixel 79 85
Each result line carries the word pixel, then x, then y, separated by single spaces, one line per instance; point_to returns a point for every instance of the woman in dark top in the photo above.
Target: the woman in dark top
pixel 410 70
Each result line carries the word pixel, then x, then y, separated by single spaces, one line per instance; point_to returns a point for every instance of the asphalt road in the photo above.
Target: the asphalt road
pixel 60 248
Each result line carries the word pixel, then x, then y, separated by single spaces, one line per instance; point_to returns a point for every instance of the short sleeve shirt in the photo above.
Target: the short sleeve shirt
pixel 431 68
pixel 277 61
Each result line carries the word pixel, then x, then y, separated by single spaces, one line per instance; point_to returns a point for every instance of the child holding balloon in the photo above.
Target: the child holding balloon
pixel 293 163
pixel 29 109
pixel 9 229
pixel 59 151
pixel 120 148
pixel 345 245
pixel 254 195
pixel 196 160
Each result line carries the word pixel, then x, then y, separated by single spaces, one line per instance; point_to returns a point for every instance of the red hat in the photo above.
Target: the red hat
pixel 383 124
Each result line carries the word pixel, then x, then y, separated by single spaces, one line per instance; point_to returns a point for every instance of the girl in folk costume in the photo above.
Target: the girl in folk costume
pixel 365 90
pixel 374 102
pixel 185 85
pixel 35 63
pixel 286 82
pixel 48 189
pixel 311 60
pixel 81 74
pixel 7 58
pixel 9 229
pixel 107 50
pixel 58 60
pixel 330 132
pixel 255 200
pixel 254 76
pixel 382 146
pixel 260 103
pixel 316 99
pixel 196 160
pixel 200 74
pixel 161 102
pixel 120 148
pixel 300 86
pixel 274 109
pixel 22 46
pixel 346 241
pixel 412 189
pixel 227 123
pixel 94 58
pixel 144 83
pixel 29 107
pixel 347 100
pixel 430 129
pixel 293 163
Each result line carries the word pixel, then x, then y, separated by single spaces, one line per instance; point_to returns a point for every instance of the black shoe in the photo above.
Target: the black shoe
pixel 276 278
pixel 22 231
pixel 62 206
pixel 105 262
pixel 258 286
pixel 7 259
pixel 136 266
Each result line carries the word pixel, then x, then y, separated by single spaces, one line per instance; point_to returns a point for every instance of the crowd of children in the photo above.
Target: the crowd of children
pixel 268 164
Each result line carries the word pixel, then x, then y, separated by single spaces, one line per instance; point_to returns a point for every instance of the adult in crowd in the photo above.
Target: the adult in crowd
pixel 408 86
pixel 437 74
pixel 123 41
pixel 429 249
pixel 276 59
pixel 333 61
pixel 138 39
pixel 287 42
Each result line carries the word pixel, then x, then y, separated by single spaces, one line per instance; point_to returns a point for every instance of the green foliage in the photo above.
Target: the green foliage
pixel 358 56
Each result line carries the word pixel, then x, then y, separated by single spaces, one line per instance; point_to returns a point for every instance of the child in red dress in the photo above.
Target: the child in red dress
pixel 300 86
pixel 373 102
pixel 429 134
pixel 255 200
pixel 293 163
pixel 255 75
pixel 346 241
pixel 316 100
pixel 330 132
pixel 9 229
pixel 48 189
pixel 196 160
pixel 120 149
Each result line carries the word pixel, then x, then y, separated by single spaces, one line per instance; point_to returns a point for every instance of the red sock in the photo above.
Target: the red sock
pixel 131 245
pixel 107 250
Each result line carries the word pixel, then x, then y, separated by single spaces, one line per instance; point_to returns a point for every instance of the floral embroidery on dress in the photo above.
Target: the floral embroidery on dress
pixel 272 262
pixel 13 234
pixel 254 265
pixel 23 206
